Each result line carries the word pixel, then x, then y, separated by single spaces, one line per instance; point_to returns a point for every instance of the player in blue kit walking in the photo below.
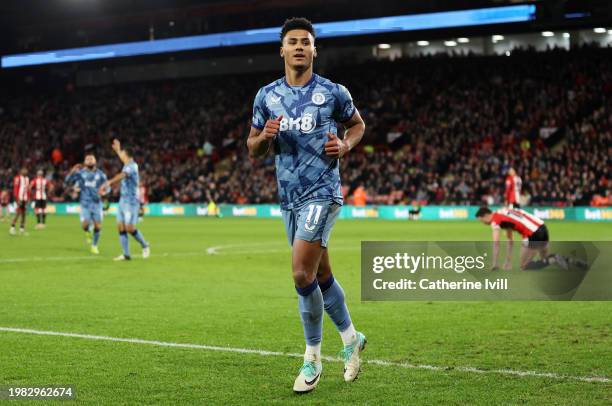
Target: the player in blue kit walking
pixel 88 180
pixel 296 116
pixel 129 203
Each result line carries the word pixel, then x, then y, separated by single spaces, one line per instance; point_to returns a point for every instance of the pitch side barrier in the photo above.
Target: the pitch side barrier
pixel 401 213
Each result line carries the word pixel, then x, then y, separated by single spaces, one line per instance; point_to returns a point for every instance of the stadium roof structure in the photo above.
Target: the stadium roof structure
pixel 58 31
pixel 369 26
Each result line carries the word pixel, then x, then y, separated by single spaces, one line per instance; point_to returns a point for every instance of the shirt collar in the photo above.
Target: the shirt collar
pixel 312 79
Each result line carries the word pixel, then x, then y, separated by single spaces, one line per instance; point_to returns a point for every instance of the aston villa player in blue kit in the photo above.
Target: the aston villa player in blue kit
pixel 129 202
pixel 296 117
pixel 88 179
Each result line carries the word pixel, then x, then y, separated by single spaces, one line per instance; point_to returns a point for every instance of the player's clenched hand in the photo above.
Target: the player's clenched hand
pixel 335 147
pixel 271 128
pixel 103 188
pixel 116 145
pixel 76 167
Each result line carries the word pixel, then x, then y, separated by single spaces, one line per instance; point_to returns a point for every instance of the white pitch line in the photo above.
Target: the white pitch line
pixel 92 257
pixel 223 249
pixel 99 258
pixel 511 372
pixel 216 250
pixel 37 259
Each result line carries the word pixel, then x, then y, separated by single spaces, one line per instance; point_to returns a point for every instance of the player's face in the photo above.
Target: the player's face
pixel 298 49
pixel 486 219
pixel 90 161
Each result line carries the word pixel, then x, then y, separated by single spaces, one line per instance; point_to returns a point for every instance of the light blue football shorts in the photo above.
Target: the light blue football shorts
pixel 311 221
pixel 92 212
pixel 127 213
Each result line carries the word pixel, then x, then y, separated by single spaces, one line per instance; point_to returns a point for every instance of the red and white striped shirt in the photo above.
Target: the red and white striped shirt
pixel 518 220
pixel 143 195
pixel 21 191
pixel 513 189
pixel 39 186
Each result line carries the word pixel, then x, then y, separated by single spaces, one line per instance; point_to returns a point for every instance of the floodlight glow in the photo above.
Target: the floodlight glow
pixel 368 26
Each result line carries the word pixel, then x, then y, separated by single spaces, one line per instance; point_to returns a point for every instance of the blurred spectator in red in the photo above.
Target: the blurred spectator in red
pixel 56 156
pixel 360 196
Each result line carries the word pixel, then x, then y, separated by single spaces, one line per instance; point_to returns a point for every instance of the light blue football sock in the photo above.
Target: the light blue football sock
pixel 125 243
pixel 333 299
pixel 96 237
pixel 310 304
pixel 140 238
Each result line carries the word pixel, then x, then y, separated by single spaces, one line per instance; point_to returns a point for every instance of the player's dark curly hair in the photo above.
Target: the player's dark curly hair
pixel 296 23
pixel 483 211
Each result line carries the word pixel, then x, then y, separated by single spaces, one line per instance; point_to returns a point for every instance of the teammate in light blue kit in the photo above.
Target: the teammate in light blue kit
pixel 129 203
pixel 89 180
pixel 297 115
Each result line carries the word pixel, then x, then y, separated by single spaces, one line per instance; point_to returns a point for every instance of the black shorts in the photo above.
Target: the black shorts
pixel 22 205
pixel 40 204
pixel 539 239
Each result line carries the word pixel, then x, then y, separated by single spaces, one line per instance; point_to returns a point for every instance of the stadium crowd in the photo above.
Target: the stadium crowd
pixel 440 130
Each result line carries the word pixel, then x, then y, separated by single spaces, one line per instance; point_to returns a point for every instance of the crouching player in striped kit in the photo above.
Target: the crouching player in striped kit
pixel 534 233
pixel 39 191
pixel 129 204
pixel 88 179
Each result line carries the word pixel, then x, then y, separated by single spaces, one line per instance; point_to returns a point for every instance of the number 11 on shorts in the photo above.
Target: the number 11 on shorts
pixel 311 209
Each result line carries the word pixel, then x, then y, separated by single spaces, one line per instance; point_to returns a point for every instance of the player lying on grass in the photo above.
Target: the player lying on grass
pixel 129 203
pixel 88 179
pixel 531 228
pixel 296 116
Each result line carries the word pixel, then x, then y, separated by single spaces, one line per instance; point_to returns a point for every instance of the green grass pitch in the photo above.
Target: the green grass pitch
pixel 242 297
